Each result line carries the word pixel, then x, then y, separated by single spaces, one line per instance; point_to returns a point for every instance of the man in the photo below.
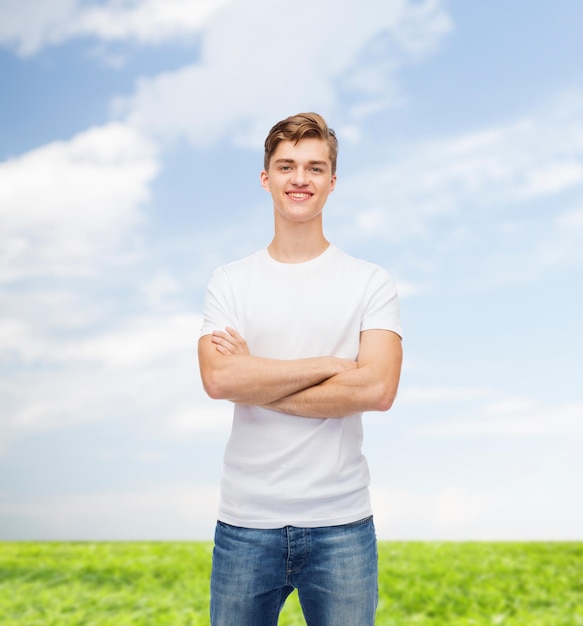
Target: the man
pixel 302 338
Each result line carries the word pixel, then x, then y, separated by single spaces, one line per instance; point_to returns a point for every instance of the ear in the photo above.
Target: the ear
pixel 264 178
pixel 332 183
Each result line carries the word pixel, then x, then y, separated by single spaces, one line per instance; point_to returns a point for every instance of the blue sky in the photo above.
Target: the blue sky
pixel 130 150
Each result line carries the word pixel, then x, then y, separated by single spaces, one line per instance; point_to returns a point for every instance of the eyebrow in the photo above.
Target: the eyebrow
pixel 322 163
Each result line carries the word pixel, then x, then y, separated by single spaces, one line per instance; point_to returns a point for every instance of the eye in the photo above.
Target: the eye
pixel 318 170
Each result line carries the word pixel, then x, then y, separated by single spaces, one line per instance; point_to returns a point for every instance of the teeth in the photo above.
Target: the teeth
pixel 300 195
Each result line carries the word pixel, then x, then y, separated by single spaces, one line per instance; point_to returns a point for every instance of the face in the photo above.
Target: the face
pixel 299 179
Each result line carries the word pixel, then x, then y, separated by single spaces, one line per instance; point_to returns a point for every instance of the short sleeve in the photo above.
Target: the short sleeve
pixel 219 304
pixel 381 303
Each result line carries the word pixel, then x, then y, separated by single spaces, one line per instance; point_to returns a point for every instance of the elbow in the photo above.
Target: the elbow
pixel 213 392
pixel 214 387
pixel 385 403
pixel 215 371
pixel 384 398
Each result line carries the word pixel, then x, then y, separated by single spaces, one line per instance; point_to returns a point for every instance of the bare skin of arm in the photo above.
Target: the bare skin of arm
pixel 369 385
pixel 229 372
pixel 372 386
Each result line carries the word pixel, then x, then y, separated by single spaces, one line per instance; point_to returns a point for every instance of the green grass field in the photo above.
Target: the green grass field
pixel 421 584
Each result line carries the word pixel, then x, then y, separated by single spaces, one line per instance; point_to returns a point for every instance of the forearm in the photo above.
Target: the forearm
pixel 372 386
pixel 341 395
pixel 247 379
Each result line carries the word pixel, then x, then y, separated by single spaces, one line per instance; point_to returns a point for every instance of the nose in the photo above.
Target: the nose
pixel 300 177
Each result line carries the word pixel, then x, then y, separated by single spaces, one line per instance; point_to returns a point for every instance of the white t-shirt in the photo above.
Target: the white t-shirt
pixel 283 469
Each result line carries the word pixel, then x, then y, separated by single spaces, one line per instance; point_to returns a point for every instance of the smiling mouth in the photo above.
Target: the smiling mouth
pixel 299 195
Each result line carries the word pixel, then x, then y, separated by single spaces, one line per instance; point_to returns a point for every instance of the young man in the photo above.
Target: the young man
pixel 302 338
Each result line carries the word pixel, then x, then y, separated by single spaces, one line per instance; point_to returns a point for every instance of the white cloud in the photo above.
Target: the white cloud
pixel 148 22
pixel 66 204
pixel 18 341
pixel 137 342
pixel 207 416
pixel 145 369
pixel 170 512
pixel 432 395
pixel 409 288
pixel 454 513
pixel 571 219
pixel 563 246
pixel 486 172
pixel 513 418
pixel 164 402
pixel 552 178
pixel 161 290
pixel 187 512
pixel 247 76
pixel 443 514
pixel 30 25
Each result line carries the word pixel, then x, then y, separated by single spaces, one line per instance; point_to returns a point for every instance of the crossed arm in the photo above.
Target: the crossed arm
pixel 313 387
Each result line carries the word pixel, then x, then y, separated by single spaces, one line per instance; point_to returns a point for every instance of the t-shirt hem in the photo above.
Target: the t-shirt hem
pixel 297 522
pixel 383 326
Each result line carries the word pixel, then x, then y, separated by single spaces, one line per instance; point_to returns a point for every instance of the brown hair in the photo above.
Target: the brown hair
pixel 297 127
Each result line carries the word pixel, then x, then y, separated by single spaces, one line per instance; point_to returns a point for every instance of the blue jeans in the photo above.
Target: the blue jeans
pixel 334 569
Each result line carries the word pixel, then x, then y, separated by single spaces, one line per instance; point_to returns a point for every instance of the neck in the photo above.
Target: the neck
pixel 299 244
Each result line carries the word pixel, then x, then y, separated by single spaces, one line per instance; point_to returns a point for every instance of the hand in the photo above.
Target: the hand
pixel 229 341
